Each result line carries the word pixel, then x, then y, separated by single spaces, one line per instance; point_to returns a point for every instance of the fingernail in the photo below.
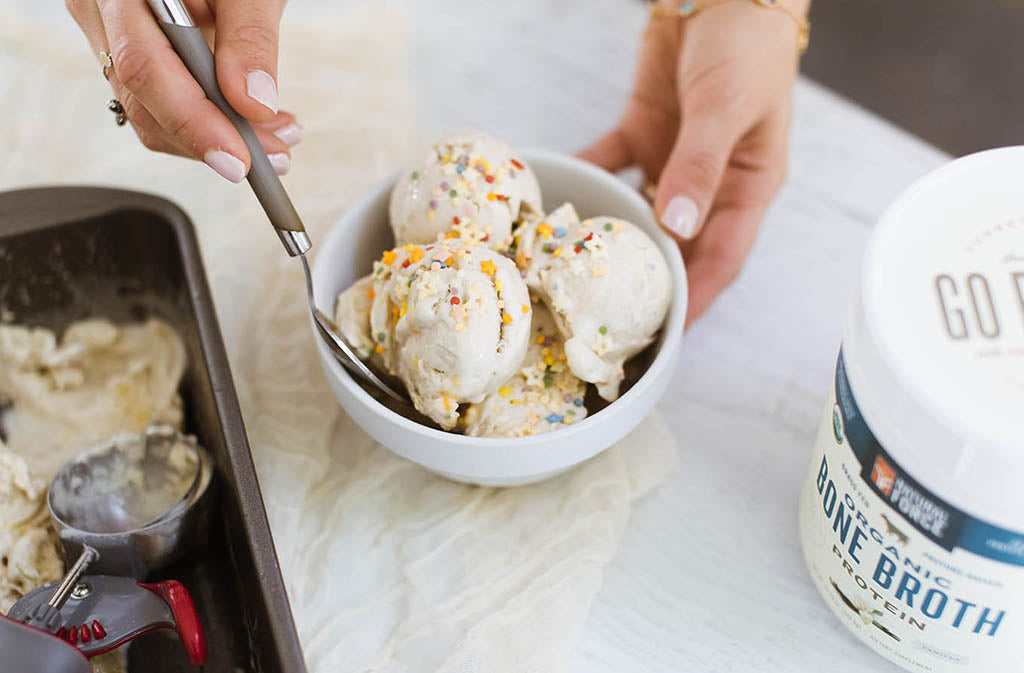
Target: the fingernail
pixel 230 167
pixel 262 88
pixel 680 216
pixel 290 135
pixel 281 162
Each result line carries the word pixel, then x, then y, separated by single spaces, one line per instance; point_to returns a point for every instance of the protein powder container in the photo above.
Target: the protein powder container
pixel 912 515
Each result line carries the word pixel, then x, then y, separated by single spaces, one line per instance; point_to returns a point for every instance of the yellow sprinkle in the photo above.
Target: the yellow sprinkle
pixel 549 361
pixel 379 349
pixel 491 196
pixel 404 309
pixel 488 267
pixel 557 252
pixel 545 351
pixel 447 403
pixel 389 257
pixel 540 338
pixel 487 167
pixel 452 234
pixel 409 247
pixel 417 254
pixel 448 261
pixel 499 286
pixel 598 271
pixel 544 229
pixel 515 401
pixel 431 214
pixel 507 318
pixel 447 158
pixel 505 391
pixel 526 308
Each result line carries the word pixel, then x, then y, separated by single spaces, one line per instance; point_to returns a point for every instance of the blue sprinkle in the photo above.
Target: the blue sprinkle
pixel 554 418
pixel 560 232
pixel 578 401
pixel 460 168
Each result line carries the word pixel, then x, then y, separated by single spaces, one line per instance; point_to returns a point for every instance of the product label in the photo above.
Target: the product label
pixel 921 582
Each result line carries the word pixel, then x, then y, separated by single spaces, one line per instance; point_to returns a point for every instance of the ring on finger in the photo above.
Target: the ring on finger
pixel 107 62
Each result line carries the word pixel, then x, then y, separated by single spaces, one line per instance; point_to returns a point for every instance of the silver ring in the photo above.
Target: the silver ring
pixel 115 106
pixel 107 62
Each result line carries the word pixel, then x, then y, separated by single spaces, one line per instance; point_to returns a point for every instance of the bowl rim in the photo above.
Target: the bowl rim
pixel 672 328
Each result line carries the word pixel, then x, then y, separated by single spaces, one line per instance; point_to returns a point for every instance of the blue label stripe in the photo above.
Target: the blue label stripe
pixel 931 516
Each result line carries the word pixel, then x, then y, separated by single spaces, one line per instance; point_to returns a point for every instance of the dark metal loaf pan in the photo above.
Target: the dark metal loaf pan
pixel 69 253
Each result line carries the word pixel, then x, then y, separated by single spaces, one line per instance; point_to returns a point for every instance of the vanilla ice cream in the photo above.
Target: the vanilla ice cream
pixel 352 315
pixel 62 396
pixel 468 182
pixel 607 285
pixel 451 320
pixel 542 396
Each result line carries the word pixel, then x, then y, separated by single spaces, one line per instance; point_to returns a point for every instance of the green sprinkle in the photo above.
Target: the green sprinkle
pixel 608 226
pixel 453 193
pixel 416 175
pixel 603 329
pixel 381 337
pixel 549 377
pixel 546 247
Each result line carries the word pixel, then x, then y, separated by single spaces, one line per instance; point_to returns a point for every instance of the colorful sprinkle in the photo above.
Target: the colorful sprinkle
pixel 608 226
pixel 404 309
pixel 491 196
pixel 488 267
pixel 416 255
pixel 378 350
pixel 456 220
pixel 540 340
pixel 517 164
pixel 382 337
pixel 499 286
pixel 455 301
pixel 453 193
pixel 544 229
pixel 560 232
pixel 505 391
pixel 506 318
pixel 554 418
pixel 389 257
pixel 526 308
pixel 557 252
pixel 447 403
pixel 445 186
pixel 603 329
pixel 416 175
pixel 489 178
pixel 433 204
pixel 578 401
pixel 547 248
pixel 370 294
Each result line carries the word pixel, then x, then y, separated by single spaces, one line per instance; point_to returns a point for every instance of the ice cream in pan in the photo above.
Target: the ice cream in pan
pixel 452 318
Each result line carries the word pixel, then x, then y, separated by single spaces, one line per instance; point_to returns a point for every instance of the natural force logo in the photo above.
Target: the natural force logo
pixel 910 501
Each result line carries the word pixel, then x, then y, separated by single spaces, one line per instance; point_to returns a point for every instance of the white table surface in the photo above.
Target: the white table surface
pixel 710 576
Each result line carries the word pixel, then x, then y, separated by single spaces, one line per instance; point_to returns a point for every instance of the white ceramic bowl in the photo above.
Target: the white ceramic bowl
pixel 358 238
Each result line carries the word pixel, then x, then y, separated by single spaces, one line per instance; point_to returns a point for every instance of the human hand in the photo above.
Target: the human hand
pixel 166 106
pixel 709 121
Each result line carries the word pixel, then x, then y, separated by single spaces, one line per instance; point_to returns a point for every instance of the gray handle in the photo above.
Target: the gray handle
pixel 191 46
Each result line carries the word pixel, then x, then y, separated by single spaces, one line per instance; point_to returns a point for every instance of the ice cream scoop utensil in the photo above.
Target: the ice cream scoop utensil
pixel 188 41
pixel 139 500
pixel 104 612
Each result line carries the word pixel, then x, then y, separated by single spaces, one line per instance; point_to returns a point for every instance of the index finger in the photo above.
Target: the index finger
pixel 148 67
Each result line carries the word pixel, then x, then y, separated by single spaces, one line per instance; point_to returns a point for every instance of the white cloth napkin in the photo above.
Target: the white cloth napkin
pixel 388 567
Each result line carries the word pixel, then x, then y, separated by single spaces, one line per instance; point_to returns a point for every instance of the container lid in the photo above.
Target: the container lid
pixel 938 327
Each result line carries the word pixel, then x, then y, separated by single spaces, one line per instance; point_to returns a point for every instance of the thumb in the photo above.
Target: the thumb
pixel 246 54
pixel 690 178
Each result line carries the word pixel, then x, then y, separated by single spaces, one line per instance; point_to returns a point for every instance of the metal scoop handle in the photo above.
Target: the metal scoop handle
pixel 188 41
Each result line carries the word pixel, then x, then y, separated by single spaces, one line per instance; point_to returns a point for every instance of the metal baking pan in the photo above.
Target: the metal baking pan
pixel 68 253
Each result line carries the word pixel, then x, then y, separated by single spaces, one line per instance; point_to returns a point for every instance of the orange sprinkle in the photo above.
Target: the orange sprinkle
pixel 389 257
pixel 544 229
pixel 540 339
pixel 370 294
pixel 526 308
pixel 379 349
pixel 491 196
pixel 506 318
pixel 449 261
pixel 417 254
pixel 488 267
pixel 447 403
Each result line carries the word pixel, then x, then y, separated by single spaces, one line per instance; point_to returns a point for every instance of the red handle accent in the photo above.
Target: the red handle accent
pixel 189 628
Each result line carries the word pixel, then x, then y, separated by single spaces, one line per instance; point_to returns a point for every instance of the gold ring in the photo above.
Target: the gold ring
pixel 107 62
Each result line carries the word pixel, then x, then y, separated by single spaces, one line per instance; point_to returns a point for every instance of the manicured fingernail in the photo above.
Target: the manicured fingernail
pixel 230 167
pixel 680 216
pixel 262 88
pixel 281 162
pixel 290 135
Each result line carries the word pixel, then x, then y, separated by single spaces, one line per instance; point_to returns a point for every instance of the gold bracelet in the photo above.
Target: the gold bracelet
pixel 690 8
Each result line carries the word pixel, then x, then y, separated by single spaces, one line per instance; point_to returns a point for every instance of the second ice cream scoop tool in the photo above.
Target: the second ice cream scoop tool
pixel 102 613
pixel 140 500
pixel 188 41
